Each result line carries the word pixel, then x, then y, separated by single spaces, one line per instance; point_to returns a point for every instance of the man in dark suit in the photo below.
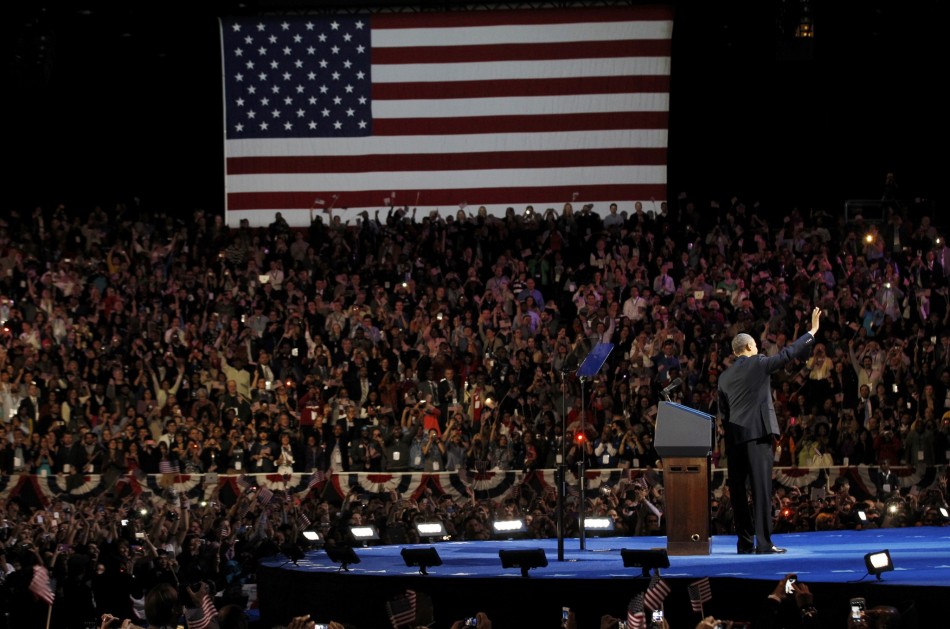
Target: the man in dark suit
pixel 745 406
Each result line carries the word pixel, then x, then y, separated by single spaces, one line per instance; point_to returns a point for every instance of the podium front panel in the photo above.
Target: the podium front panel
pixel 682 431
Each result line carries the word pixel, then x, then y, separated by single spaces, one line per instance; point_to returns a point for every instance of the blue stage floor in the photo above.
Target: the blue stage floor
pixel 594 581
pixel 921 557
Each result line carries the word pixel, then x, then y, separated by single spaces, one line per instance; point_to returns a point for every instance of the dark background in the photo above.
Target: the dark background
pixel 112 104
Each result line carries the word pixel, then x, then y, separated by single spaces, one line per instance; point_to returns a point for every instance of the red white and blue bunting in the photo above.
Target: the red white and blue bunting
pixel 39 491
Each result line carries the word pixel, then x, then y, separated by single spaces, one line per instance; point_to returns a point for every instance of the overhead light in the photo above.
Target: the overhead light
pixel 805 29
pixel 509 528
pixel 806 24
pixel 647 560
pixel 364 533
pixel 430 530
pixel 524 559
pixel 878 562
pixel 422 557
pixel 343 555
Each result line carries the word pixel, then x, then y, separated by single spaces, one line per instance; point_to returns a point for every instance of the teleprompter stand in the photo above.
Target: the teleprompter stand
pixel 588 369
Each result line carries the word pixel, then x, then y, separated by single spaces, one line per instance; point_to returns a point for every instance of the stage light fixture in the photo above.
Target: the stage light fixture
pixel 313 538
pixel 599 525
pixel 422 557
pixel 878 562
pixel 364 534
pixel 524 559
pixel 647 560
pixel 430 530
pixel 343 555
pixel 509 528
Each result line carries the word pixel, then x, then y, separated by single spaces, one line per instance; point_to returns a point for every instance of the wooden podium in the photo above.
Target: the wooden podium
pixel 683 440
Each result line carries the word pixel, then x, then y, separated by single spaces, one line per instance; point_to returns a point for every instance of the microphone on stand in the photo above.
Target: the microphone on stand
pixel 670 388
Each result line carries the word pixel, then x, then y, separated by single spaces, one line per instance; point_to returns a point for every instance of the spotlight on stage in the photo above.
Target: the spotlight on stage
pixel 343 555
pixel 422 557
pixel 878 562
pixel 432 530
pixel 524 559
pixel 364 534
pixel 312 538
pixel 652 559
pixel 599 527
pixel 509 529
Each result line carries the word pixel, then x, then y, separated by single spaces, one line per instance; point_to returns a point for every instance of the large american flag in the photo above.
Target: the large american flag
pixel 440 111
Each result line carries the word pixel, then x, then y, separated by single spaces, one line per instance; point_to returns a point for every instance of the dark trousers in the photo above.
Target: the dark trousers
pixel 751 462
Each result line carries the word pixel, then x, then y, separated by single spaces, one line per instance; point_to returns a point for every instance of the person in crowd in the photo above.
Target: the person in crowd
pixel 125 358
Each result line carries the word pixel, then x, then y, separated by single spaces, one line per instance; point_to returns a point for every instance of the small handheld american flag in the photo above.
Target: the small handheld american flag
pixel 40 585
pixel 700 592
pixel 636 619
pixel 656 593
pixel 402 609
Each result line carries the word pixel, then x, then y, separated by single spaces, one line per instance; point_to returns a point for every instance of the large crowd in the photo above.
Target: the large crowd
pixel 135 343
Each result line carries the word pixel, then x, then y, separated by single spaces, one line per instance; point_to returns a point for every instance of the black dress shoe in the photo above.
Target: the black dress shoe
pixel 770 550
pixel 745 551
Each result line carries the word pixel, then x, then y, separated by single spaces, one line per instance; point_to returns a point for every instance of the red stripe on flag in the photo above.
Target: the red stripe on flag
pixel 448 161
pixel 523 52
pixel 522 124
pixel 634 84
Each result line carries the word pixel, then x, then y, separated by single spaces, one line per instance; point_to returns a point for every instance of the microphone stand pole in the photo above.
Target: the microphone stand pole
pixel 561 473
pixel 589 367
pixel 581 498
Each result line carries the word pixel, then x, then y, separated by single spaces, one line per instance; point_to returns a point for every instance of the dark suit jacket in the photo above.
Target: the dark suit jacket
pixel 745 392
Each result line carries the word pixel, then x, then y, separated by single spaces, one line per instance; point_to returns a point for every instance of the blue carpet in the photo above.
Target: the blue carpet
pixel 921 557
